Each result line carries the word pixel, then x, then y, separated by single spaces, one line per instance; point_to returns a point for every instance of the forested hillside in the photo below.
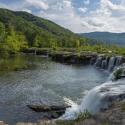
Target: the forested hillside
pixel 21 29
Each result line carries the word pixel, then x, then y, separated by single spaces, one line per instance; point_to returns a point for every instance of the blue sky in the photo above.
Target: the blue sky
pixel 76 15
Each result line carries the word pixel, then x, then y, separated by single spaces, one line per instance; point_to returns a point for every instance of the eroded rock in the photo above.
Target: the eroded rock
pixel 52 111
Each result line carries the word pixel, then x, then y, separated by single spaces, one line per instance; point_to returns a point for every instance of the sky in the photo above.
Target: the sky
pixel 77 15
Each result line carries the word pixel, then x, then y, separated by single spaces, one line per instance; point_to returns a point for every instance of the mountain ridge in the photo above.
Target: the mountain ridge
pixel 106 37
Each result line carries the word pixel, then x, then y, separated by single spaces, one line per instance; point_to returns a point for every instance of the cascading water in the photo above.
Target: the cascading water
pixel 111 63
pixel 105 63
pixel 101 96
pixel 119 60
pixel 108 62
pixel 99 61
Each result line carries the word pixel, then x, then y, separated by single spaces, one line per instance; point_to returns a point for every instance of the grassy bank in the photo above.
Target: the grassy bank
pixel 99 49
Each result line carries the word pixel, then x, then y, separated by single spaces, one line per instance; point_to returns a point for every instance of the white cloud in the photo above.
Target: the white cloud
pixel 86 2
pixel 67 3
pixel 38 4
pixel 107 16
pixel 64 14
pixel 27 10
pixel 109 5
pixel 101 19
pixel 82 9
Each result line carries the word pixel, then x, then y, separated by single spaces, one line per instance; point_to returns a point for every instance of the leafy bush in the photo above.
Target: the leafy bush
pixel 83 115
pixel 117 74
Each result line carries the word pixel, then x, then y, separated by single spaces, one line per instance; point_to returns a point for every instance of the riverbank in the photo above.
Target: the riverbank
pixel 105 61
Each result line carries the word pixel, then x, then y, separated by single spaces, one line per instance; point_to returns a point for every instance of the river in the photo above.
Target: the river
pixel 36 80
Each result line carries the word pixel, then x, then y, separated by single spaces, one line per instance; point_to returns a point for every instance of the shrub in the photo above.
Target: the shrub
pixel 117 74
pixel 83 115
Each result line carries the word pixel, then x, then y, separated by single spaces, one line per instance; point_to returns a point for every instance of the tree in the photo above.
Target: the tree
pixel 15 41
pixel 37 41
pixel 2 32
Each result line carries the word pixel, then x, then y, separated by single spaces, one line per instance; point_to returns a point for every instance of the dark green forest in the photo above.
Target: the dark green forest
pixel 19 30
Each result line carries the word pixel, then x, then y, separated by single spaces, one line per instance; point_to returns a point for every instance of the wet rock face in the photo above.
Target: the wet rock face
pixel 115 115
pixel 74 58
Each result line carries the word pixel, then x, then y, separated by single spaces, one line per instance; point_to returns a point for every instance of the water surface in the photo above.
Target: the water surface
pixel 37 80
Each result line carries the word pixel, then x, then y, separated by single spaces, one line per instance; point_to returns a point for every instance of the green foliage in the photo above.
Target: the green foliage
pixel 14 63
pixel 83 115
pixel 123 107
pixel 2 28
pixel 54 45
pixel 38 31
pixel 2 32
pixel 13 42
pixel 105 123
pixel 19 30
pixel 65 122
pixel 37 41
pixel 117 74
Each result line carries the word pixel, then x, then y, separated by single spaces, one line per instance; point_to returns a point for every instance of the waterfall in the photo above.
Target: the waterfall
pixel 104 64
pixel 99 61
pixel 109 63
pixel 119 60
pixel 100 97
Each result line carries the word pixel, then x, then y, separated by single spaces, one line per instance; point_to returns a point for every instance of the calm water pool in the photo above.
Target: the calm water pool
pixel 44 82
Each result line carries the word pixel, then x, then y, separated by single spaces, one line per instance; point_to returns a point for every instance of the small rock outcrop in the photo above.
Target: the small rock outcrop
pixel 53 111
pixel 74 58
